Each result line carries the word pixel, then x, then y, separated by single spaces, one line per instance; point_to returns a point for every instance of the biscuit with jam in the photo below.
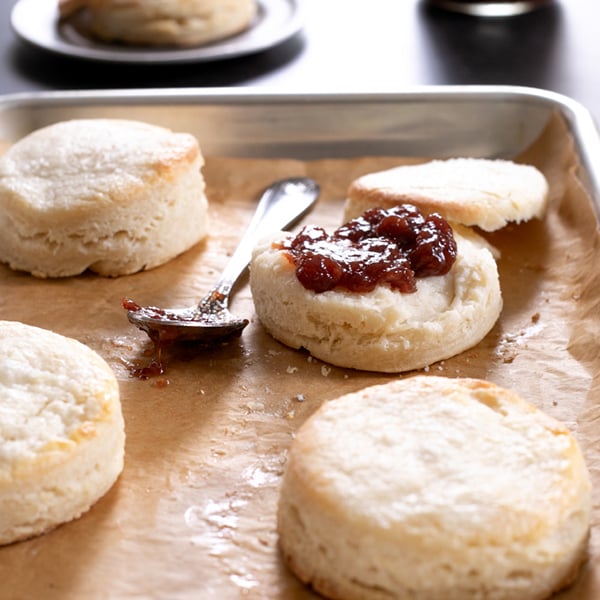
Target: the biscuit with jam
pixel 395 323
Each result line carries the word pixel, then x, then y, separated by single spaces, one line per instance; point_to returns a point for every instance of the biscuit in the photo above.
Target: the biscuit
pixel 162 22
pixel 113 196
pixel 61 430
pixel 381 330
pixel 471 191
pixel 434 488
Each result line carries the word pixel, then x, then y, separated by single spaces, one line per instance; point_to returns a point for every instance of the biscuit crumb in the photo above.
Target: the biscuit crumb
pixel 121 343
pixel 161 383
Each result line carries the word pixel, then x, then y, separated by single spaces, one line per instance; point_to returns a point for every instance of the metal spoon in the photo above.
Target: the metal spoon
pixel 281 204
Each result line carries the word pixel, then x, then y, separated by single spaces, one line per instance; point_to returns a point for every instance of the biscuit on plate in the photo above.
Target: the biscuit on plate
pixel 110 195
pixel 434 488
pixel 471 191
pixel 161 22
pixel 61 430
pixel 383 329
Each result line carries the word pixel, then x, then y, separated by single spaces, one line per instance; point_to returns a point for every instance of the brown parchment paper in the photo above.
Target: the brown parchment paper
pixel 193 514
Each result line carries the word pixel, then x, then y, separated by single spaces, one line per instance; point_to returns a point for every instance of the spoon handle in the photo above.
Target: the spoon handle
pixel 280 205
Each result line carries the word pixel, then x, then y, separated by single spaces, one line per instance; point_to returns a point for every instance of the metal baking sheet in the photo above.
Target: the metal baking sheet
pixel 486 121
pixel 171 528
pixel 489 121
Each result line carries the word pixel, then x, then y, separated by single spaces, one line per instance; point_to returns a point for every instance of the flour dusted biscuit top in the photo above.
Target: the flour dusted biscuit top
pixel 113 196
pixel 382 329
pixel 162 22
pixel 437 489
pixel 61 430
pixel 470 191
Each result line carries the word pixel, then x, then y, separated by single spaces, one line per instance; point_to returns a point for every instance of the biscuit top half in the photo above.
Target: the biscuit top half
pixel 470 191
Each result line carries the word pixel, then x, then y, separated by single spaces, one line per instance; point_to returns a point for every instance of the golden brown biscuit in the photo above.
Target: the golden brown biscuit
pixel 470 191
pixel 437 489
pixel 61 430
pixel 162 22
pixel 381 330
pixel 109 195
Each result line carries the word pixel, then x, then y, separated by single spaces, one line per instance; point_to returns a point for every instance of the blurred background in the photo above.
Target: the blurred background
pixel 361 45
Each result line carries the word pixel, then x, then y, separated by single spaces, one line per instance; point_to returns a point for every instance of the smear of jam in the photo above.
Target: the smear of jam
pixel 394 246
pixel 153 312
pixel 155 367
pixel 163 337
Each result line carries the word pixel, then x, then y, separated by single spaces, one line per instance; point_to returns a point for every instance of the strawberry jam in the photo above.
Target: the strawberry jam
pixel 394 246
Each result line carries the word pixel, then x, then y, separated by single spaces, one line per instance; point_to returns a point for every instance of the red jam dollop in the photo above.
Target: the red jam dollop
pixel 393 246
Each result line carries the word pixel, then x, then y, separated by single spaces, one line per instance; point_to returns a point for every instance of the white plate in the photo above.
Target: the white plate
pixel 36 22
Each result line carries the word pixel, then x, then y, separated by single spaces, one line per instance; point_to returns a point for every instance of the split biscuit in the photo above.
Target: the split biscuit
pixel 109 195
pixel 61 432
pixel 470 191
pixel 161 22
pixel 434 488
pixel 382 330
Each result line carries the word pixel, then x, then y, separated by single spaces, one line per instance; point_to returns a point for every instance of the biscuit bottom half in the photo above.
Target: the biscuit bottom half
pixel 383 330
